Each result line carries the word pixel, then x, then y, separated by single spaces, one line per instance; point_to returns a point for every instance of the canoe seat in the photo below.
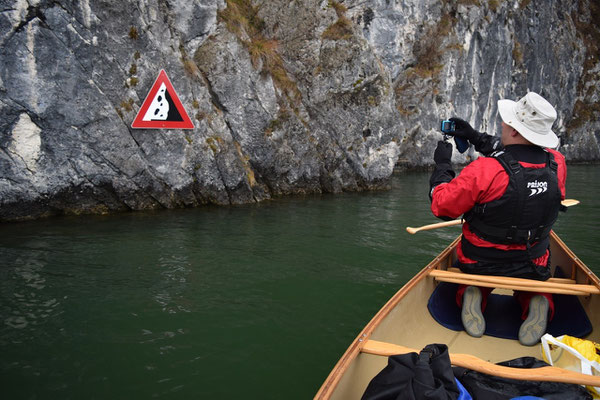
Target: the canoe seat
pixel 553 285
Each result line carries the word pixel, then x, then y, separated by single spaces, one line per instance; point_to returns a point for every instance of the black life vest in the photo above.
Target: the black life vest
pixel 523 215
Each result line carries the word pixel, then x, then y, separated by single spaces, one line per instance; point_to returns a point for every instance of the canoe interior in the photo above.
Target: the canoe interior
pixel 405 320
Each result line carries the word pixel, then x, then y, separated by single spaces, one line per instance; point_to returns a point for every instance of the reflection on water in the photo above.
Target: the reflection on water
pixel 174 271
pixel 28 303
pixel 256 301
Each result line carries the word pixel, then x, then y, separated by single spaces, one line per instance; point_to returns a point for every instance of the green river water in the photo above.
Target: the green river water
pixel 254 302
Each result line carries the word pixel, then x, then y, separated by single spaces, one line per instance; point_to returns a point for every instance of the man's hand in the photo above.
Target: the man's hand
pixel 442 172
pixel 464 130
pixel 443 153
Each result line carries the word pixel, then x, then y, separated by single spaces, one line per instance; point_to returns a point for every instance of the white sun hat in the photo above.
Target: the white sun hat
pixel 532 117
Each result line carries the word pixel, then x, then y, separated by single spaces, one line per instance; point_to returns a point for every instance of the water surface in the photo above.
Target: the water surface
pixel 255 301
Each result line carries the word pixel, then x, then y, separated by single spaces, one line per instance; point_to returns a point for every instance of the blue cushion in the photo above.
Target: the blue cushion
pixel 503 314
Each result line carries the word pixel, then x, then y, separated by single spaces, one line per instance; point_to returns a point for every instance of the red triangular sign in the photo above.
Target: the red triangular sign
pixel 162 108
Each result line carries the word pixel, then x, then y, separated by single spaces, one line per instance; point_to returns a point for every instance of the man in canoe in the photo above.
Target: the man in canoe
pixel 510 199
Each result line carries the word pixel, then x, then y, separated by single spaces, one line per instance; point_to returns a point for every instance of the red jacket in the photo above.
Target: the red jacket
pixel 482 181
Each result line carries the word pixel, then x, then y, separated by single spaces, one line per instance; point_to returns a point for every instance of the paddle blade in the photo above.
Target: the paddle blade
pixel 412 230
pixel 569 202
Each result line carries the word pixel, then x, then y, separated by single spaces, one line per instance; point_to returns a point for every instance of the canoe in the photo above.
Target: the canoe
pixel 404 324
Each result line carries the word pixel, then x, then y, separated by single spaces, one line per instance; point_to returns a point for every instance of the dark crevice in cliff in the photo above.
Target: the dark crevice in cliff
pixel 71 13
pixel 130 130
pixel 17 155
pixel 165 11
pixel 66 47
pixel 15 104
pixel 221 107
pixel 10 180
pixel 33 13
pixel 7 153
pixel 213 96
pixel 222 175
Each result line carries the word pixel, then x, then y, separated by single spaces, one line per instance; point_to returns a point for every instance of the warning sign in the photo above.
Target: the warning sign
pixel 162 108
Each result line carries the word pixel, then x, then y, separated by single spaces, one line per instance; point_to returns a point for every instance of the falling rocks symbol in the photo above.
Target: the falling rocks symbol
pixel 162 108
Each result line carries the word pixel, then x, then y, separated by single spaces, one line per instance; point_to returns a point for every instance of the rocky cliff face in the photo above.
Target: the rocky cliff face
pixel 286 96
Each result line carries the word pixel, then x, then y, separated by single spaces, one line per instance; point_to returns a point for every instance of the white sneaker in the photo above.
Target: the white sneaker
pixel 471 315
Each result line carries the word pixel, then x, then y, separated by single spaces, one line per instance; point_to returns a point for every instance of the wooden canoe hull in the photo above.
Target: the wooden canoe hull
pixel 405 320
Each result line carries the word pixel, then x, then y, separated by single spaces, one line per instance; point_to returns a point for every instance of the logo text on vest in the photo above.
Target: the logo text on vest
pixel 537 187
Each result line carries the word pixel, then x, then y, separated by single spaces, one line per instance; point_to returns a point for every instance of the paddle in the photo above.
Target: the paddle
pixel 412 231
pixel 550 374
pixel 529 285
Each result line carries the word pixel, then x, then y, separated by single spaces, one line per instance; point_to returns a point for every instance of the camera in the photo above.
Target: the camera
pixel 448 126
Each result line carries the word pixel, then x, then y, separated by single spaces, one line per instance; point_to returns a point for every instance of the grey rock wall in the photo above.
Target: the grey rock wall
pixel 287 97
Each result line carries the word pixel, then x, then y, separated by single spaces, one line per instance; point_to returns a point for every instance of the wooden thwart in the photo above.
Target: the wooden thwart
pixel 550 374
pixel 528 285
pixel 558 280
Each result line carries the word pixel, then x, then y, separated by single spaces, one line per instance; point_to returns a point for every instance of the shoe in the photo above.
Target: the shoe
pixel 534 327
pixel 471 315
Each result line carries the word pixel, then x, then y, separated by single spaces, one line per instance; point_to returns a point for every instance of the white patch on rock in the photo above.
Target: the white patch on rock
pixel 87 13
pixel 266 93
pixel 75 32
pixel 381 161
pixel 26 141
pixel 32 67
pixel 467 41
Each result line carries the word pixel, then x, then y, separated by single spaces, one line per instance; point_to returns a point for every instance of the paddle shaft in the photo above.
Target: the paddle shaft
pixel 522 288
pixel 549 374
pixel 510 283
pixel 412 231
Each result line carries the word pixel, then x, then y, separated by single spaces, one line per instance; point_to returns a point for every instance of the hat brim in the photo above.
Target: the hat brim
pixel 506 108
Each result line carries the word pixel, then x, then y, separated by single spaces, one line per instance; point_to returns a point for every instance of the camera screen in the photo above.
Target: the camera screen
pixel 447 126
